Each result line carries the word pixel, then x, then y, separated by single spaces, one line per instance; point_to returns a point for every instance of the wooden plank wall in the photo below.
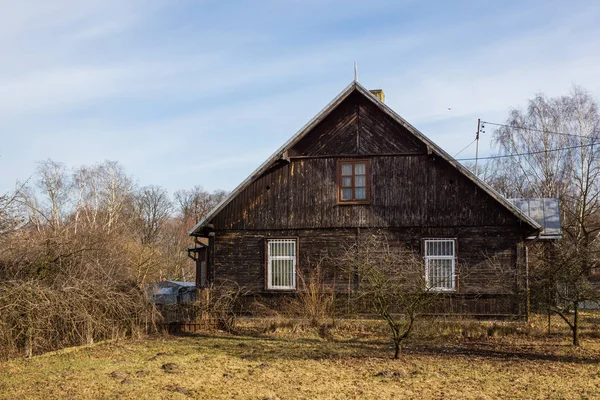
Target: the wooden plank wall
pixel 240 255
pixel 409 187
pixel 414 194
pixel 357 127
pixel 486 259
pixel 406 191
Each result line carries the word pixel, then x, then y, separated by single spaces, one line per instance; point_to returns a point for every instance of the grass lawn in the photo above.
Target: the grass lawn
pixel 286 364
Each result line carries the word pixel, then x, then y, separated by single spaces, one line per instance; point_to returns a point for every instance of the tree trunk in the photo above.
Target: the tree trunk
pixel 575 327
pixel 397 350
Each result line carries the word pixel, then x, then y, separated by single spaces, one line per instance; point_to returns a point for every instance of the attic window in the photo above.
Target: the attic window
pixel 353 181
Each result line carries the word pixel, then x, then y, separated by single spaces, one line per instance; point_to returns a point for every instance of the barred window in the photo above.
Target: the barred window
pixel 281 264
pixel 440 258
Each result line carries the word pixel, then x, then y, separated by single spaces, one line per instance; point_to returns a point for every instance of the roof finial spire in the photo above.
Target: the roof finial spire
pixel 355 72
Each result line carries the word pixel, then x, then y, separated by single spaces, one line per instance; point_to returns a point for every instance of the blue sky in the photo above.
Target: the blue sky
pixel 201 92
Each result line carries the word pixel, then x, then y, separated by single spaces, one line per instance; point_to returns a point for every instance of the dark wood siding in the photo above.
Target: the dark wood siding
pixel 240 255
pixel 357 127
pixel 380 134
pixel 486 258
pixel 414 194
pixel 336 134
pixel 406 191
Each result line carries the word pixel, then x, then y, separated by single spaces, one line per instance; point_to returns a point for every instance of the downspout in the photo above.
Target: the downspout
pixel 210 264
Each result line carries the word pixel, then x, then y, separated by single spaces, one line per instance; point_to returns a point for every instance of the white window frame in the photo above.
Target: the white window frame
pixel 272 263
pixel 429 258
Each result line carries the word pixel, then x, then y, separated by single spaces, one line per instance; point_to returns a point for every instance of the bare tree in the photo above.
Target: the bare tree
pixel 114 191
pixel 194 204
pixel 562 284
pixel 101 194
pixel 557 141
pixel 541 170
pixel 391 279
pixel 53 182
pixel 583 196
pixel 11 216
pixel 152 209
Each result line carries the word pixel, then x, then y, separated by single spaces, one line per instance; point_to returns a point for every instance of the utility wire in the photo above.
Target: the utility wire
pixel 527 153
pixel 466 147
pixel 534 130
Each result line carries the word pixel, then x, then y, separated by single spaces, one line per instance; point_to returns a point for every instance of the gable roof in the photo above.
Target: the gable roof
pixel 351 88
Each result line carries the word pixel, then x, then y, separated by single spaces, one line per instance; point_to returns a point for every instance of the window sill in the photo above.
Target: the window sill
pixel 280 290
pixel 441 290
pixel 353 203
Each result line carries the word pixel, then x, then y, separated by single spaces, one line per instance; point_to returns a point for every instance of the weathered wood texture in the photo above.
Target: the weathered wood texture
pixel 357 127
pixel 240 255
pixel 408 186
pixel 406 191
pixel 414 194
pixel 486 259
pixel 193 326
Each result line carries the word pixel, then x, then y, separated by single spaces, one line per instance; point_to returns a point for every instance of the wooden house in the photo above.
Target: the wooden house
pixel 357 167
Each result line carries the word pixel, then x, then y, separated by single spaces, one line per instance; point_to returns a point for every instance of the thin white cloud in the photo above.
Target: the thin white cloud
pixel 82 82
pixel 52 90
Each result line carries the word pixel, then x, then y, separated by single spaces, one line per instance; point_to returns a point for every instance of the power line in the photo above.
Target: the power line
pixel 527 153
pixel 534 130
pixel 466 147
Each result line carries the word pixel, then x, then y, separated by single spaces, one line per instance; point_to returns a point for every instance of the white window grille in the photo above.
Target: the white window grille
pixel 281 258
pixel 440 258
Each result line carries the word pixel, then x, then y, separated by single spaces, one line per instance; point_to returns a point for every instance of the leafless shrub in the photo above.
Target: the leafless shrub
pixel 224 302
pixel 391 279
pixel 315 297
pixel 77 248
pixel 72 269
pixel 58 289
pixel 36 318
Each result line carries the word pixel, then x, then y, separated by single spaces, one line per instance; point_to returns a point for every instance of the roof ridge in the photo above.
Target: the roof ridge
pixel 464 170
pixel 288 143
pixel 354 85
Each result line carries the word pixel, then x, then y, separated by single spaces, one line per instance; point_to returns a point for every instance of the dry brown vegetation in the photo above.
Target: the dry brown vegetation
pixel 283 359
pixel 77 249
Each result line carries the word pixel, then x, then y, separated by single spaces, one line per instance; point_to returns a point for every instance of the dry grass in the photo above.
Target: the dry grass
pixel 470 360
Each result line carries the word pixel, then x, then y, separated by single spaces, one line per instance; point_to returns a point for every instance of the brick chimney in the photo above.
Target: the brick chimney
pixel 379 94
